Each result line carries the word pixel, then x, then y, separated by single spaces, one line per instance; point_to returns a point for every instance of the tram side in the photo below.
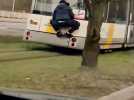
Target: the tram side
pixel 117 30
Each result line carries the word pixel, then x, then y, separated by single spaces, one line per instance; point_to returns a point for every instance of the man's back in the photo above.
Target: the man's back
pixel 63 12
pixel 63 17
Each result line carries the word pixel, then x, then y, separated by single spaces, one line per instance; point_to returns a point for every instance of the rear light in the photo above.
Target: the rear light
pixel 74 39
pixel 28 33
pixel 72 44
pixel 27 38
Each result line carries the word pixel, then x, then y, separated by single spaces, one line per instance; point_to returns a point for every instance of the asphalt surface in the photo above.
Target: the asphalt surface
pixel 12 27
pixel 34 95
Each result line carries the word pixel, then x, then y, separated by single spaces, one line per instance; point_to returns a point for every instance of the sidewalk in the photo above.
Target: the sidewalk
pixel 125 94
pixel 36 95
pixel 12 20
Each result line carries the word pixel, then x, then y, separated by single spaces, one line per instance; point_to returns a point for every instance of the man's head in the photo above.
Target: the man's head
pixel 67 1
pixel 64 1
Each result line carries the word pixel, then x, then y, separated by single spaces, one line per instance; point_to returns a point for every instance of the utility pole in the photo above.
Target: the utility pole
pixel 13 6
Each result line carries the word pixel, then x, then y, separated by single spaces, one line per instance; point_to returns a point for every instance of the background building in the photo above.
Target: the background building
pixel 15 5
pixel 23 5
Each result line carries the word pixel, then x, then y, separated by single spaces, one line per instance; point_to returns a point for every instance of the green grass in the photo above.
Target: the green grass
pixel 40 67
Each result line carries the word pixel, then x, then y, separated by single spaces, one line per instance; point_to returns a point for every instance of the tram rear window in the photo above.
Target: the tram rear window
pixel 117 11
pixel 46 7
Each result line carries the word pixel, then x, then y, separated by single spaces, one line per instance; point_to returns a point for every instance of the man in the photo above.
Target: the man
pixel 63 17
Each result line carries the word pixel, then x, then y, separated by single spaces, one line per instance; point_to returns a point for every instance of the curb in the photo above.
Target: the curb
pixel 35 95
pixel 124 94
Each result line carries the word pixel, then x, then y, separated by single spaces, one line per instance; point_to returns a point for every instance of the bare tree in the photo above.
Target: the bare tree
pixel 23 5
pixel 91 48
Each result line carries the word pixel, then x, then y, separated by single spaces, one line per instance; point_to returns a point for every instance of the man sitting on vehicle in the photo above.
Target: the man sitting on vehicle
pixel 63 17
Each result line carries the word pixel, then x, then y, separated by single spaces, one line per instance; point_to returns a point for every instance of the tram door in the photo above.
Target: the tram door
pixel 130 39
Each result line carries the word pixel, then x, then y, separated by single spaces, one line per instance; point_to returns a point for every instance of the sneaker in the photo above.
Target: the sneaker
pixel 69 35
pixel 59 34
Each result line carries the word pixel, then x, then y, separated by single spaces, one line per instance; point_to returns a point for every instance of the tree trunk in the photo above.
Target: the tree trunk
pixel 91 48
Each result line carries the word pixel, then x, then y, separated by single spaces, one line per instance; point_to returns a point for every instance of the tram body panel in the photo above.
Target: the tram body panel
pixel 110 33
pixel 117 29
pixel 33 22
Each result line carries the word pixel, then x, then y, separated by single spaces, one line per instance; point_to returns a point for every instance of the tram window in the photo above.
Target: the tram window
pixel 45 7
pixel 77 4
pixel 104 15
pixel 132 11
pixel 117 11
pixel 78 9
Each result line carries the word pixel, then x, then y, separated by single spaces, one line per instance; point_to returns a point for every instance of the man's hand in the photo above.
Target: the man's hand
pixel 88 4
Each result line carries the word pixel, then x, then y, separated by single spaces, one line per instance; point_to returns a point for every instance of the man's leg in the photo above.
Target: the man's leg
pixel 55 25
pixel 74 25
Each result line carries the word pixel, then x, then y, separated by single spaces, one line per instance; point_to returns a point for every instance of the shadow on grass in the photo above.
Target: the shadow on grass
pixel 69 51
pixel 130 49
pixel 10 39
pixel 61 50
pixel 7 97
pixel 38 46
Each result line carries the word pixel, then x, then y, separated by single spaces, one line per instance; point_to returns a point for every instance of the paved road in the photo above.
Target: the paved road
pixel 12 27
pixel 35 95
pixel 124 94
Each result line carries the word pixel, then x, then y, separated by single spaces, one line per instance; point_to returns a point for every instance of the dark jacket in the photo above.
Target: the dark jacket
pixel 63 12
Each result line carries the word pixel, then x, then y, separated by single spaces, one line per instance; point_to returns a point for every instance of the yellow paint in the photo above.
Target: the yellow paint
pixel 50 29
pixel 111 28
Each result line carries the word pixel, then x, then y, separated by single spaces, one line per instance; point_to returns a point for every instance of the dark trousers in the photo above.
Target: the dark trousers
pixel 72 24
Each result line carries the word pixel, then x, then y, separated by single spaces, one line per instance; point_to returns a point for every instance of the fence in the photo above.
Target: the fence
pixel 15 5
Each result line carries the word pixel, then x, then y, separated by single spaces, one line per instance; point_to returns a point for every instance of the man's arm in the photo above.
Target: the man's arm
pixel 71 13
pixel 88 4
